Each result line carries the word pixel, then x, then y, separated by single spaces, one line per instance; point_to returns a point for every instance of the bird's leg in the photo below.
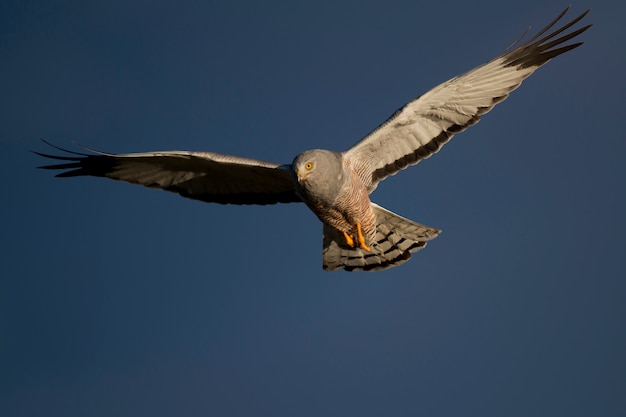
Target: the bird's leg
pixel 359 235
pixel 349 239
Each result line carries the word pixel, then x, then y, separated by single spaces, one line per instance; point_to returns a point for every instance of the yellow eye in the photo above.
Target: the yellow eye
pixel 308 166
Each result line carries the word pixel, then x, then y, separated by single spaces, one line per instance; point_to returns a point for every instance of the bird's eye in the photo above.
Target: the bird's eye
pixel 308 166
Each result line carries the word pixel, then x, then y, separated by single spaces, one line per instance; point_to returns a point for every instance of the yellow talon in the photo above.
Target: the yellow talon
pixel 349 239
pixel 359 235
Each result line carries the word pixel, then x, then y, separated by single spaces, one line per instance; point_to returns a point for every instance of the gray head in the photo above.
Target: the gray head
pixel 319 174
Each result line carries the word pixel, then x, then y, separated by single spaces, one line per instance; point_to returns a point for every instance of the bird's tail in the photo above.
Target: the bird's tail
pixel 396 238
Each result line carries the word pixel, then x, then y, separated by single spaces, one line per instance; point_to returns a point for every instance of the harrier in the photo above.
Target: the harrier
pixel 357 233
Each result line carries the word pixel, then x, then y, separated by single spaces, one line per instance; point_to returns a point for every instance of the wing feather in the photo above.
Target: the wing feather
pixel 204 176
pixel 421 127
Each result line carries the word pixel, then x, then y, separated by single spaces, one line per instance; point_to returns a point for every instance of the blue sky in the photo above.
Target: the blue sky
pixel 120 300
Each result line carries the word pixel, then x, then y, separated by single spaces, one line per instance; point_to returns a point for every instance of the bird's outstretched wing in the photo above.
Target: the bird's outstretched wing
pixel 422 126
pixel 205 176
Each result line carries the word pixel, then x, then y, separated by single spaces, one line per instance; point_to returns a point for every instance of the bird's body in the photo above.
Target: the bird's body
pixel 358 234
pixel 342 199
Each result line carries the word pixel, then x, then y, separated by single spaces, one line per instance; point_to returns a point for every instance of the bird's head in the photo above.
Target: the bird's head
pixel 318 173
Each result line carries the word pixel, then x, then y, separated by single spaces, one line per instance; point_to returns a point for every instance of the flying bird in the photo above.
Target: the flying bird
pixel 357 233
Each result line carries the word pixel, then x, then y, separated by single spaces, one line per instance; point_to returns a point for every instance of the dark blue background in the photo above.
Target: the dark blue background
pixel 116 300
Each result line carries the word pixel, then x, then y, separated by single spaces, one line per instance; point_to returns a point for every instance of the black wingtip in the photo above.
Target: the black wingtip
pixel 60 149
pixel 75 163
pixel 538 49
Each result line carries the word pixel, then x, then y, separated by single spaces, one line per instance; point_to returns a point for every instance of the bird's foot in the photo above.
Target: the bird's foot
pixel 349 239
pixel 361 238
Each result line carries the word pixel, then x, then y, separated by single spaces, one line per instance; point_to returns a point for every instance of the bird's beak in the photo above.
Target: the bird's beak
pixel 300 176
pixel 294 170
pixel 288 167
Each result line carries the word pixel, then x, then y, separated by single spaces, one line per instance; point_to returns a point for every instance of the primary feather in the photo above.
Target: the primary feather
pixel 421 127
pixel 205 176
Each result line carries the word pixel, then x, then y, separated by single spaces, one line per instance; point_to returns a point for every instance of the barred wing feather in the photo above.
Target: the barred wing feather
pixel 204 176
pixel 421 127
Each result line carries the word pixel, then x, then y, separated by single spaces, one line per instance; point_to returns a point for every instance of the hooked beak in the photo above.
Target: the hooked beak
pixel 301 175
